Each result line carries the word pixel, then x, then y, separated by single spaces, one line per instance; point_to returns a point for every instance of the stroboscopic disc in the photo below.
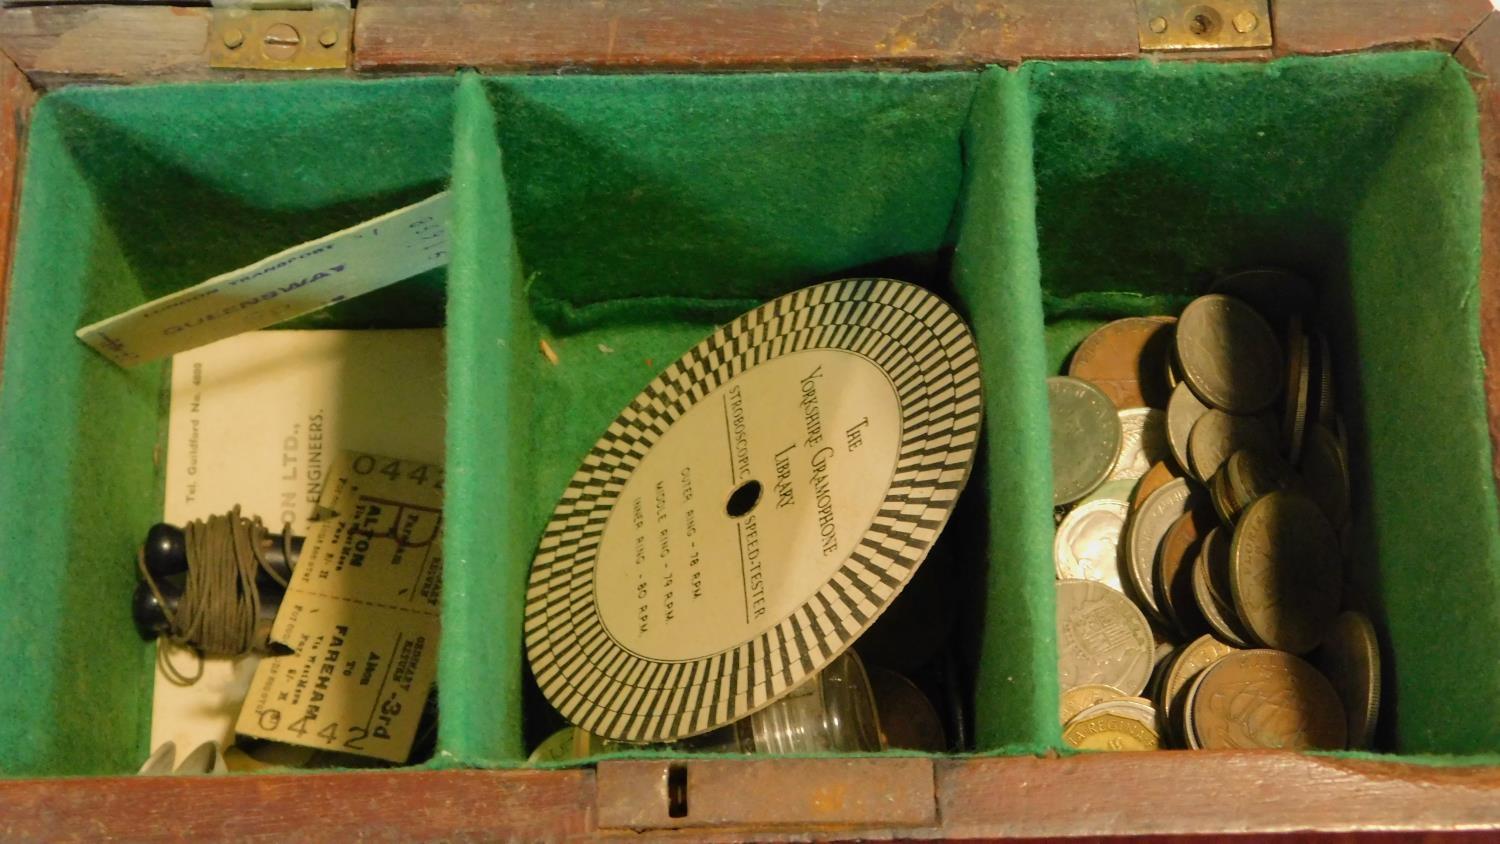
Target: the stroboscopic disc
pixel 753 510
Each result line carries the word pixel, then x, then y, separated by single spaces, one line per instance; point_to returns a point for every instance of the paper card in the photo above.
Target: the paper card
pixel 374 254
pixel 257 420
pixel 361 615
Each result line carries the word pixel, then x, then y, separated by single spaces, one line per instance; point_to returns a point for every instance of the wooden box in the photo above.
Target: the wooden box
pixel 626 176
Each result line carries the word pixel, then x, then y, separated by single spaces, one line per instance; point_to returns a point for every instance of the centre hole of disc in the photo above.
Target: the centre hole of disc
pixel 743 499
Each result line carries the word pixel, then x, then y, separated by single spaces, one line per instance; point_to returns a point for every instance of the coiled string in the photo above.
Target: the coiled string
pixel 219 611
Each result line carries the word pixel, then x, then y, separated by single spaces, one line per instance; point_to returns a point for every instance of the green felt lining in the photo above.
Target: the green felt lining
pixel 621 218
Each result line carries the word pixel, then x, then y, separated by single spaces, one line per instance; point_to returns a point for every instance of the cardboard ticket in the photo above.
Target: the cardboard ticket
pixel 361 615
pixel 374 254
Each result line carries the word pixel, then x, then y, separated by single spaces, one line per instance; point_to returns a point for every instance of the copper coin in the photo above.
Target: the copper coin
pixel 1192 661
pixel 907 718
pixel 1285 572
pixel 1160 474
pixel 1229 355
pixel 1266 699
pixel 1350 658
pixel 1211 588
pixel 1123 358
pixel 1174 570
pixel 1183 411
pixel 1217 434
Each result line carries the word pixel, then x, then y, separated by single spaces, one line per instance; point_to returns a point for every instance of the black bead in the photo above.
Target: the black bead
pixel 150 617
pixel 166 551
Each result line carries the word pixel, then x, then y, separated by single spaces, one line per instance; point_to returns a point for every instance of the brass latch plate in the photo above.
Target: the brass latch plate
pixel 1192 25
pixel 280 39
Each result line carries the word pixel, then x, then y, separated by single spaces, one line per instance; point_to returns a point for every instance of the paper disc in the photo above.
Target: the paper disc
pixel 753 510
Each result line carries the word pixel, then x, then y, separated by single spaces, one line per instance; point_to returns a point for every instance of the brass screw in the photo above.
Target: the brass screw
pixel 233 38
pixel 1245 21
pixel 281 42
pixel 328 37
pixel 1158 25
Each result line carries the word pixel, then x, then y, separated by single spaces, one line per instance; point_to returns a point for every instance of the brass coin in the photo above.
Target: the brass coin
pixel 1174 571
pixel 1111 732
pixel 1197 656
pixel 1143 534
pixel 1265 698
pixel 1102 639
pixel 1274 294
pixel 1325 473
pixel 1298 385
pixel 1085 437
pixel 1169 366
pixel 1183 411
pixel 1087 543
pixel 1114 725
pixel 1144 437
pixel 1350 658
pixel 1285 572
pixel 1229 355
pixel 1123 359
pixel 1079 698
pixel 1211 589
pixel 1217 434
pixel 1155 478
pixel 907 718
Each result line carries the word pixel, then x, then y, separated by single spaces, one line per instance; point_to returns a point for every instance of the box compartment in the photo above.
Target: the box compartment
pixel 619 219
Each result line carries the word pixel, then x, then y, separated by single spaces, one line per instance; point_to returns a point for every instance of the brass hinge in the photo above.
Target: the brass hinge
pixel 1195 25
pixel 256 38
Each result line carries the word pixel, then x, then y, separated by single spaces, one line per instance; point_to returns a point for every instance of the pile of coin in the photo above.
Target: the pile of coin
pixel 1201 476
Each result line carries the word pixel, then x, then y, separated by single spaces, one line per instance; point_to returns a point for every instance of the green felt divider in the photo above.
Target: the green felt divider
pixel 129 194
pixel 1361 172
pixel 996 273
pixel 487 541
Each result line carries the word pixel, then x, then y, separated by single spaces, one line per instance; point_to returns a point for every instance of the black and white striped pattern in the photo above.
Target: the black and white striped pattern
pixel 929 356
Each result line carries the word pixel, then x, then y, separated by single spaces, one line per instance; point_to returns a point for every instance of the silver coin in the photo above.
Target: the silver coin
pixel 1085 437
pixel 1087 543
pixel 1325 472
pixel 1143 535
pixel 1275 294
pixel 1144 442
pixel 1183 411
pixel 1112 490
pixel 1217 434
pixel 1229 355
pixel 1102 638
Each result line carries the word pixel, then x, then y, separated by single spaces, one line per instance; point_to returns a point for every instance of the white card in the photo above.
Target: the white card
pixel 374 254
pixel 257 420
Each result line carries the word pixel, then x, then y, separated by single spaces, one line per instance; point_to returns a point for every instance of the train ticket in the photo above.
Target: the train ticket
pixel 360 617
